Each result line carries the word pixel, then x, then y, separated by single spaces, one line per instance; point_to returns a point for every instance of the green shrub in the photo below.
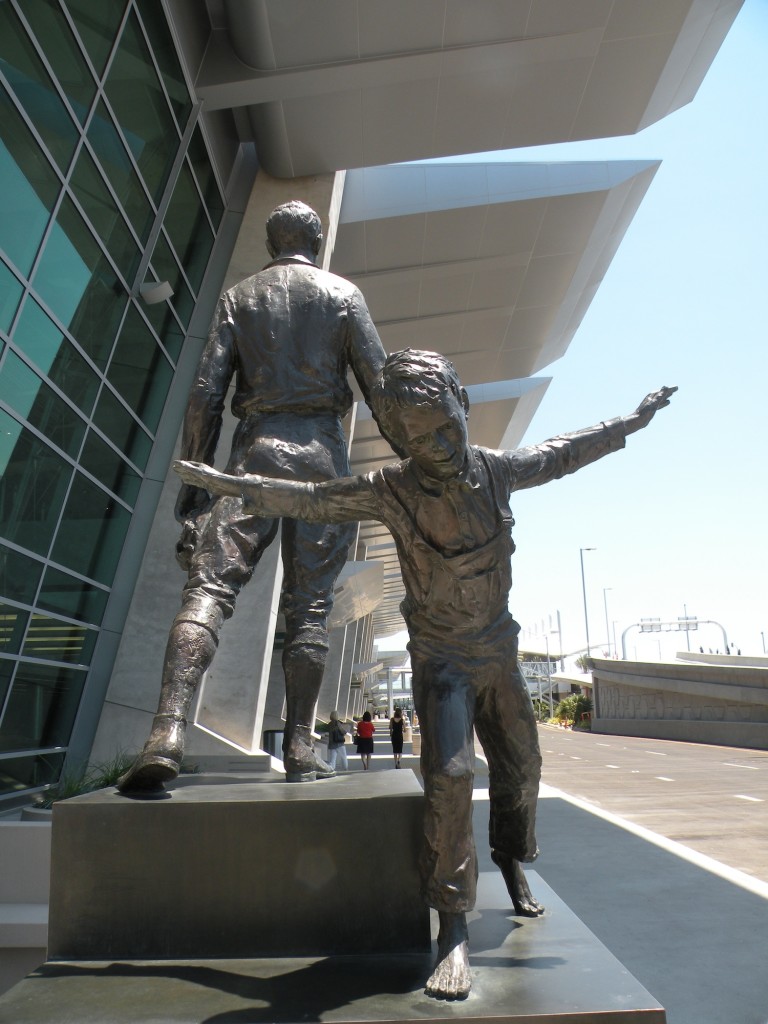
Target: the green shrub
pixel 101 775
pixel 572 710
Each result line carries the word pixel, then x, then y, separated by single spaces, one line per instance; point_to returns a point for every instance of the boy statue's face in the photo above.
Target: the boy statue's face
pixel 435 436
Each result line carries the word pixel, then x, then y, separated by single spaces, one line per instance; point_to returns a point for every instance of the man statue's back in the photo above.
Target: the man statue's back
pixel 285 337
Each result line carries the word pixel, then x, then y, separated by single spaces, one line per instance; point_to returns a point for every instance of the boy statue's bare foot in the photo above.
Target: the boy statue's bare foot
pixel 517 885
pixel 451 978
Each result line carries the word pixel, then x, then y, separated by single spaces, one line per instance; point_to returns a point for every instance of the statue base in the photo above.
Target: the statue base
pixel 221 868
pixel 547 970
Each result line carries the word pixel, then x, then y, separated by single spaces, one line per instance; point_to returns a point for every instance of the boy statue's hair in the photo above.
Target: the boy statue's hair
pixel 411 378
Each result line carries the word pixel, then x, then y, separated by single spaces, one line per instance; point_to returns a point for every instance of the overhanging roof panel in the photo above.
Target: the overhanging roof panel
pixel 352 83
pixel 492 264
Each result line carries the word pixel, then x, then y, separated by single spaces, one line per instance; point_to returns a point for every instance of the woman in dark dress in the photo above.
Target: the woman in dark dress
pixel 365 731
pixel 396 730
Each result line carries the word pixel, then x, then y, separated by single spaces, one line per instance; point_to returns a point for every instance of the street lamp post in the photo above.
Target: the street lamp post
pixel 607 625
pixel 549 678
pixel 584 594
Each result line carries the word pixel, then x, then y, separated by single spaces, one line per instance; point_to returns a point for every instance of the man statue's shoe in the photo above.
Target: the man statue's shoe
pixel 159 761
pixel 302 764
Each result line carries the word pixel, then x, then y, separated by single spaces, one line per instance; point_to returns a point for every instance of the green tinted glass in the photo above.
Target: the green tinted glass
pixel 13 622
pixel 106 465
pixel 10 293
pixel 100 208
pixel 41 707
pixel 76 280
pixel 19 575
pixel 31 398
pixel 114 420
pixel 139 370
pixel 166 269
pixel 55 640
pixel 41 340
pixel 33 481
pixel 56 39
pixel 32 772
pixel 141 109
pixel 63 593
pixel 90 537
pixel 164 50
pixel 188 228
pixel 201 165
pixel 116 164
pixel 32 84
pixel 6 671
pixel 166 327
pixel 97 25
pixel 29 190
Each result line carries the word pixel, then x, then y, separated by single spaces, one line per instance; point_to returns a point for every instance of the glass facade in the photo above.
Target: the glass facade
pixel 96 197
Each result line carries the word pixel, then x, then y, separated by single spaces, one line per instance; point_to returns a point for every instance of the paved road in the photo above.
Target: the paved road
pixel 712 799
pixel 694 935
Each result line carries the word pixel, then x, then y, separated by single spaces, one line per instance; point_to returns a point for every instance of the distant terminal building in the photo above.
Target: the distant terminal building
pixel 143 145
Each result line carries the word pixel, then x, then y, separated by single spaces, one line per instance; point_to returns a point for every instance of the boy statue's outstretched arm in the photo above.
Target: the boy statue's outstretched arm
pixel 647 409
pixel 342 500
pixel 568 453
pixel 198 474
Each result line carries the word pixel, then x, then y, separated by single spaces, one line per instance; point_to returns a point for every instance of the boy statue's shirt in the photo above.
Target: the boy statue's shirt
pixel 454 538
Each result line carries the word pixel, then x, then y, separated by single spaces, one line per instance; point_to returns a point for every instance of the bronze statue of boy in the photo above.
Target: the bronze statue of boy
pixel 447 507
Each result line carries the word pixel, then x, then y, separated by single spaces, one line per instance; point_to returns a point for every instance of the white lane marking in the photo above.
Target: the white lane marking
pixel 602 744
pixel 663 778
pixel 635 771
pixel 752 799
pixel 613 766
pixel 700 860
pixel 575 758
pixel 732 764
pixel 658 753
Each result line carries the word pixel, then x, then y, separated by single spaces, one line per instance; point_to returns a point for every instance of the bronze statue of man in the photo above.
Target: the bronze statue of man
pixel 286 337
pixel 447 507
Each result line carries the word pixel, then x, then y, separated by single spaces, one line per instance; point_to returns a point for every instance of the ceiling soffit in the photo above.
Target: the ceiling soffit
pixel 347 84
pixel 492 264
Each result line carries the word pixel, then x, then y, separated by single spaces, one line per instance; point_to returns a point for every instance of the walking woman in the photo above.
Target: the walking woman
pixel 365 731
pixel 396 730
pixel 337 754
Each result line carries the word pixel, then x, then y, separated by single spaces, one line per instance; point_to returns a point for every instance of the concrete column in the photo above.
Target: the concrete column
pixel 329 691
pixel 346 693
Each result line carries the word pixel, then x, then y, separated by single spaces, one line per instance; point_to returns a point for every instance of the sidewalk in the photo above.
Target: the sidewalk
pixel 695 941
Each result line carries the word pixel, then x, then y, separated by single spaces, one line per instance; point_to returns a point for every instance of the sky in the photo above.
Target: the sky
pixel 677 520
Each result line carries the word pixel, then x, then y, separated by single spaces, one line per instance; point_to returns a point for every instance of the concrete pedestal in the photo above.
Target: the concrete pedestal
pixel 256 869
pixel 548 970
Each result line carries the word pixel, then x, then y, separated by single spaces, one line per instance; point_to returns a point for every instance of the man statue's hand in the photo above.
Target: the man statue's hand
pixel 648 408
pixel 192 502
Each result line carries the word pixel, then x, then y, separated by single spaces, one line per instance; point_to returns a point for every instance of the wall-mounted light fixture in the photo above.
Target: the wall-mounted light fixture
pixel 155 291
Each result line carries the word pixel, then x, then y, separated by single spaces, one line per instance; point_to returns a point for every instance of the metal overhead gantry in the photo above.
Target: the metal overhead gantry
pixel 679 625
